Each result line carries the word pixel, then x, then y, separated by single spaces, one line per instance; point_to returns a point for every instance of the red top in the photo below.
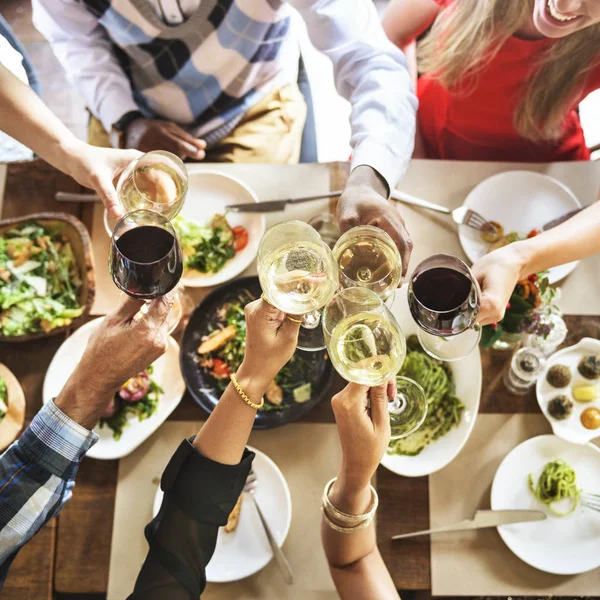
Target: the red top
pixel 478 124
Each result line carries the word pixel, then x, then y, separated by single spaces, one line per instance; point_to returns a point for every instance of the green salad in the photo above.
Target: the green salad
pixel 207 248
pixel 444 408
pixel 39 280
pixel 3 398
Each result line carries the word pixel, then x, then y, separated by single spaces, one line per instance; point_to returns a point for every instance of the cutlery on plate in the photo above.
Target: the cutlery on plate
pixel 282 561
pixel 559 220
pixel 591 501
pixel 481 520
pixel 275 205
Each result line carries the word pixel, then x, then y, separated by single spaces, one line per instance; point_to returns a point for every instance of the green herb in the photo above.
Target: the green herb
pixel 3 398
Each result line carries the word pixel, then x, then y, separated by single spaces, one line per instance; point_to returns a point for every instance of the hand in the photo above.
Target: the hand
pixel 118 349
pixel 97 169
pixel 154 134
pixel 364 432
pixel 364 202
pixel 271 340
pixel 497 274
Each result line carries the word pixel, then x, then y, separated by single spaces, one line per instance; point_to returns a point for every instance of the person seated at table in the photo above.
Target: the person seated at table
pixel 217 81
pixel 349 502
pixel 38 470
pixel 27 119
pixel 501 79
pixel 499 271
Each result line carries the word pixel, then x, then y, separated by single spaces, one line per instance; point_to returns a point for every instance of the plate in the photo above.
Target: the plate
pixel 467 376
pixel 246 550
pixel 571 428
pixel 559 545
pixel 166 374
pixel 203 386
pixel 520 201
pixel 13 420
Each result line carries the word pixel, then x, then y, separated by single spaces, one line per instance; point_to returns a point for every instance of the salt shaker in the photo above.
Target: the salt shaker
pixel 525 368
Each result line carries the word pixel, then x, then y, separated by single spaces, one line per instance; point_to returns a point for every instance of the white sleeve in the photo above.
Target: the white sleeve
pixel 372 74
pixel 84 50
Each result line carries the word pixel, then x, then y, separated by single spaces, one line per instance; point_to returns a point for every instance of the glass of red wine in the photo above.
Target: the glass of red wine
pixel 444 299
pixel 145 256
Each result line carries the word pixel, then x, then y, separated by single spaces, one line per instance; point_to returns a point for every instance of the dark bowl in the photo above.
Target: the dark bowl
pixel 205 389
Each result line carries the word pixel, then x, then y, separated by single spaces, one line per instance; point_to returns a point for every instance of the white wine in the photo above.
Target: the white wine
pixel 369 262
pixel 366 348
pixel 297 277
pixel 156 187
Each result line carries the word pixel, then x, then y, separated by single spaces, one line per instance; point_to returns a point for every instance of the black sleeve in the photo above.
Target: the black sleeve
pixel 199 495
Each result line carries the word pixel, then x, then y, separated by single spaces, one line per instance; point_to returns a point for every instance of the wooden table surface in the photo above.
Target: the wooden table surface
pixel 71 554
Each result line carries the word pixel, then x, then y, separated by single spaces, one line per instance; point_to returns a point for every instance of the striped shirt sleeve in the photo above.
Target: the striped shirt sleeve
pixel 37 475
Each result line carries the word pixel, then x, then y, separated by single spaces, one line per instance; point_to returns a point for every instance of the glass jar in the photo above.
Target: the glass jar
pixel 524 370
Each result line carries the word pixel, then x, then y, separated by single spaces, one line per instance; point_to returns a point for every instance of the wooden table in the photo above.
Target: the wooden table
pixel 71 554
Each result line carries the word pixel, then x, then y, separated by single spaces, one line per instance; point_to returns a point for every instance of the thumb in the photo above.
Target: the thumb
pixel 379 405
pixel 492 306
pixel 127 308
pixel 108 194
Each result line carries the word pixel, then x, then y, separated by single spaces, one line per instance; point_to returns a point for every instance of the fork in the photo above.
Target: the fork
pixel 282 561
pixel 461 215
pixel 591 501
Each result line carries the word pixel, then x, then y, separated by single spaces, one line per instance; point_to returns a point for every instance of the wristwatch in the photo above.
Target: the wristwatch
pixel 117 131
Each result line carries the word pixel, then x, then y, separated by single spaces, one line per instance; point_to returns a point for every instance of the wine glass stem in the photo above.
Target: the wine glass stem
pixel 311 320
pixel 397 405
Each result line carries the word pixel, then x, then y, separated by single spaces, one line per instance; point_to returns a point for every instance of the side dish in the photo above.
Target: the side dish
pixel 39 280
pixel 559 376
pixel 560 407
pixel 589 367
pixel 556 482
pixel 137 397
pixel 590 418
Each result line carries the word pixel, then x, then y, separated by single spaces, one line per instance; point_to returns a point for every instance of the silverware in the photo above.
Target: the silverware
pixel 483 519
pixel 72 197
pixel 461 215
pixel 559 220
pixel 275 205
pixel 282 561
pixel 590 501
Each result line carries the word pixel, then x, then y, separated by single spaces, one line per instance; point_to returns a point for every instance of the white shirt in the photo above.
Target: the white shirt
pixel 369 70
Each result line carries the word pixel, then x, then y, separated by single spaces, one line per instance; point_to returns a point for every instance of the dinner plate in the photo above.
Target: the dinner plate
pixel 166 374
pixel 570 429
pixel 560 545
pixel 204 388
pixel 467 377
pixel 520 201
pixel 246 550
pixel 12 421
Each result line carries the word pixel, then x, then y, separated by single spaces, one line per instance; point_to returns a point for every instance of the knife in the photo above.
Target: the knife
pixel 559 220
pixel 482 519
pixel 275 205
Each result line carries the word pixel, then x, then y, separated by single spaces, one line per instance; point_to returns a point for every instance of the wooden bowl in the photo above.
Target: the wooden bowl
pixel 79 238
pixel 13 420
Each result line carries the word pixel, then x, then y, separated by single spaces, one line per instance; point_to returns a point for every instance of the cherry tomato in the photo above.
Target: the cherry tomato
pixel 533 278
pixel 533 233
pixel 220 369
pixel 240 238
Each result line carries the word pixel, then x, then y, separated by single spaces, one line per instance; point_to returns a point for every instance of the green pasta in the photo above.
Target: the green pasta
pixel 556 482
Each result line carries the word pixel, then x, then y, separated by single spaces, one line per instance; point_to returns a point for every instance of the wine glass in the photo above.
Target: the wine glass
pixel 367 257
pixel 367 346
pixel 326 225
pixel 444 299
pixel 145 256
pixel 298 275
pixel 158 181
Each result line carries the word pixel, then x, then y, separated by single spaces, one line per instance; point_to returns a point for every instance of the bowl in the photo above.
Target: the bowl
pixel 13 420
pixel 79 238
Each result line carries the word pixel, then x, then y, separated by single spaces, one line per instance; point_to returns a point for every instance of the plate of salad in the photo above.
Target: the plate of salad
pixel 139 407
pixel 217 245
pixel 213 345
pixel 12 407
pixel 46 275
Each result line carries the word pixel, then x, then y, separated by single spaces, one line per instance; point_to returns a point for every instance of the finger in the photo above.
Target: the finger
pixel 397 231
pixel 290 328
pixel 379 405
pixel 127 308
pixel 183 148
pixel 104 187
pixel 187 137
pixel 392 388
pixel 158 310
pixel 488 312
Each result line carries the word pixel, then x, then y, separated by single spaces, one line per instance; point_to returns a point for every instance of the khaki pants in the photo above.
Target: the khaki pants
pixel 270 132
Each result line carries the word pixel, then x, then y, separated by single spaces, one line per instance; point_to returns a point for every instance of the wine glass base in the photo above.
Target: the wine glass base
pixel 451 348
pixel 408 409
pixel 311 340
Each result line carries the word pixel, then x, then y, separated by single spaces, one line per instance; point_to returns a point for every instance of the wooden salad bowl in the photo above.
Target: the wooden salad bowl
pixel 13 420
pixel 80 242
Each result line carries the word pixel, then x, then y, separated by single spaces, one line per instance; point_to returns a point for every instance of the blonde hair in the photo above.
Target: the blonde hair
pixel 469 33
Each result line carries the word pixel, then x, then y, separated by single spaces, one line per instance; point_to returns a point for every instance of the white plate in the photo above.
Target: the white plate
pixel 570 429
pixel 246 550
pixel 467 376
pixel 560 545
pixel 520 201
pixel 166 373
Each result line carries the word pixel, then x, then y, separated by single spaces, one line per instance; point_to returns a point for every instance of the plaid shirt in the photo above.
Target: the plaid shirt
pixel 37 475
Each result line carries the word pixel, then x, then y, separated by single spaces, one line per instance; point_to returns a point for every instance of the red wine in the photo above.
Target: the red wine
pixel 146 262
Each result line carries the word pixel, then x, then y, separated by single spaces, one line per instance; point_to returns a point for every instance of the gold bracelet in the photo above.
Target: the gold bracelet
pixel 243 395
pixel 350 520
pixel 363 525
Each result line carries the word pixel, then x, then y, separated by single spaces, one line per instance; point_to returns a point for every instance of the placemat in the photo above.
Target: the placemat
pixel 308 456
pixel 478 563
pixel 269 182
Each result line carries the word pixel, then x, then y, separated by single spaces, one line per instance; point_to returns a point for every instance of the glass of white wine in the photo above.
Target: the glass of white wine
pixel 158 181
pixel 367 346
pixel 298 275
pixel 367 257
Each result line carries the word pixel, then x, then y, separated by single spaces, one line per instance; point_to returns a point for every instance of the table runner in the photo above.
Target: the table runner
pixel 308 456
pixel 478 563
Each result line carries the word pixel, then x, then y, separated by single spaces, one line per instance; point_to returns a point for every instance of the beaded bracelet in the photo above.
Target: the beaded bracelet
pixel 243 395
